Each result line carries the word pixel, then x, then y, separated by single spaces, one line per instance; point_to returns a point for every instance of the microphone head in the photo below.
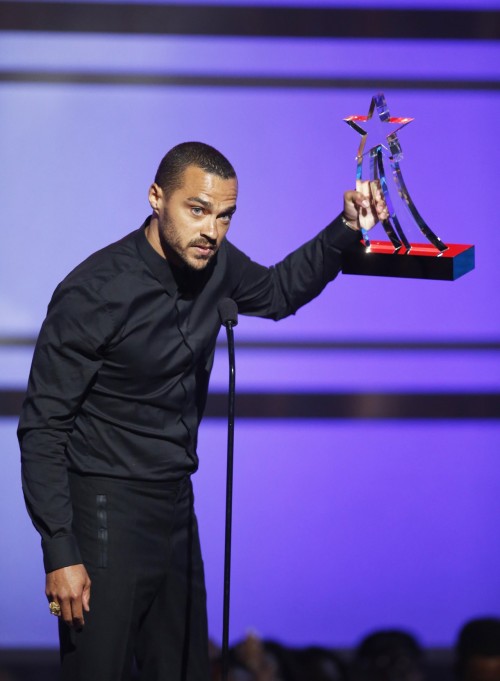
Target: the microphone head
pixel 228 311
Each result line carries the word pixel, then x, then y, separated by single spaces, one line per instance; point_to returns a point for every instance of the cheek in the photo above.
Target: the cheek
pixel 173 231
pixel 223 231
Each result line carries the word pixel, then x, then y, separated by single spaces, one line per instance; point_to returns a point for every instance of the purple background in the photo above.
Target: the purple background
pixel 339 526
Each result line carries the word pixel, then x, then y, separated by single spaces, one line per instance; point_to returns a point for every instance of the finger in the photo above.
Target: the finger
pixel 77 619
pixel 86 597
pixel 358 198
pixel 364 199
pixel 66 613
pixel 51 596
pixel 382 209
pixel 54 607
pixel 363 187
pixel 376 190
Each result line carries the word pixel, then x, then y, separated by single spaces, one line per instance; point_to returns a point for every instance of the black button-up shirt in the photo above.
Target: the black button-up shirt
pixel 120 372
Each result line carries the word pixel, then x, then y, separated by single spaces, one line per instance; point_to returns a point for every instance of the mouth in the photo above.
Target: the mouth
pixel 203 250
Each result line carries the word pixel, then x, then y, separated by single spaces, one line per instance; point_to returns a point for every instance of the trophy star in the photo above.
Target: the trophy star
pixel 380 130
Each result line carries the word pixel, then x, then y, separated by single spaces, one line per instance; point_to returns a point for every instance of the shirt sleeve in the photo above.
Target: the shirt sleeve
pixel 278 291
pixel 67 356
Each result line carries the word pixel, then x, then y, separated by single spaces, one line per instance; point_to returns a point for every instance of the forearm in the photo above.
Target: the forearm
pixel 305 272
pixel 279 291
pixel 47 496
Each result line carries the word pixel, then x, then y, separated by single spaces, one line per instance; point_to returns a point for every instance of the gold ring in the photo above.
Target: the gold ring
pixel 55 609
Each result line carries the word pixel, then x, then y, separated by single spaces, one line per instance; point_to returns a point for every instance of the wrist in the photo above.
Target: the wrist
pixel 349 223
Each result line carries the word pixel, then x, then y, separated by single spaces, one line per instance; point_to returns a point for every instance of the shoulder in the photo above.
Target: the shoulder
pixel 89 300
pixel 98 288
pixel 232 255
pixel 104 269
pixel 233 262
pixel 107 263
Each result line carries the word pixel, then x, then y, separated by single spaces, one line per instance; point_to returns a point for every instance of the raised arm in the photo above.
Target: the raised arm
pixel 278 291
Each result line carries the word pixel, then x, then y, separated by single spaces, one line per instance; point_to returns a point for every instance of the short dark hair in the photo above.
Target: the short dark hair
pixel 388 653
pixel 172 166
pixel 478 637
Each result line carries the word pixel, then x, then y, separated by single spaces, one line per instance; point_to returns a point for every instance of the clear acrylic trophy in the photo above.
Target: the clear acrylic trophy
pixel 378 150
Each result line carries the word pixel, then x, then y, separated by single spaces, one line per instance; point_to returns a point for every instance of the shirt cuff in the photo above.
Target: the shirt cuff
pixel 60 552
pixel 341 237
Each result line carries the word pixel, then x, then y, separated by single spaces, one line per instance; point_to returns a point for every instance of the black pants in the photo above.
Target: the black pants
pixel 139 542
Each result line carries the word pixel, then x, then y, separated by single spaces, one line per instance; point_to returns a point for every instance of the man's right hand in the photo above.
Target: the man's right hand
pixel 70 587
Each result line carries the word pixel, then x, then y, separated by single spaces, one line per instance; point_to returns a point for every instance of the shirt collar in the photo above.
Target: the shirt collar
pixel 159 266
pixel 187 284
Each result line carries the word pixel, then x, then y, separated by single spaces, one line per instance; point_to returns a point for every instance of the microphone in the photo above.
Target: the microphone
pixel 228 312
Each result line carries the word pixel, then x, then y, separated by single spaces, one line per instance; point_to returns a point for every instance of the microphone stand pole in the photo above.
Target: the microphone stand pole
pixel 229 502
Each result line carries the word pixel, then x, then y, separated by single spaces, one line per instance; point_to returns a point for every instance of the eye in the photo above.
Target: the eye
pixel 197 210
pixel 226 218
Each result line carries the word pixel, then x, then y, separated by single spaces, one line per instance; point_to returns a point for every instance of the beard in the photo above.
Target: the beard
pixel 181 255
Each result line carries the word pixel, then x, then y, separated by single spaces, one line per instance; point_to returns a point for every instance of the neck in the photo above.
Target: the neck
pixel 153 235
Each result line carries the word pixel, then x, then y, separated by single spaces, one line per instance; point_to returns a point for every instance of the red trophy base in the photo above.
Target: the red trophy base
pixel 424 261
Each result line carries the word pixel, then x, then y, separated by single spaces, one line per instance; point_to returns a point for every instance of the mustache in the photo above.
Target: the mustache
pixel 203 243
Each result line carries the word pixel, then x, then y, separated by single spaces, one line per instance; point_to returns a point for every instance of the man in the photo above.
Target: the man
pixel 477 651
pixel 388 654
pixel 116 393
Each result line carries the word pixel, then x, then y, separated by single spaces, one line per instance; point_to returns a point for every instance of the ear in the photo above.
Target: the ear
pixel 155 196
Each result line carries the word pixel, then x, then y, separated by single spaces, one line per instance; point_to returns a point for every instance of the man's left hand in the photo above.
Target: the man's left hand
pixel 364 207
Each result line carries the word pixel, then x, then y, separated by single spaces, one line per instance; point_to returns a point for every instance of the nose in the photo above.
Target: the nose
pixel 210 230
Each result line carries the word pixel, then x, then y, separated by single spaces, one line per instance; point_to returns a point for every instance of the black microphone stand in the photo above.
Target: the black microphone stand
pixel 229 316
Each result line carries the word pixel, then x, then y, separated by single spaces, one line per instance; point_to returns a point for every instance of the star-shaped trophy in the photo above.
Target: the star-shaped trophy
pixel 398 257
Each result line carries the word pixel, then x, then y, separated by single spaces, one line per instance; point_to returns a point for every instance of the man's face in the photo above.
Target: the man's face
pixel 194 219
